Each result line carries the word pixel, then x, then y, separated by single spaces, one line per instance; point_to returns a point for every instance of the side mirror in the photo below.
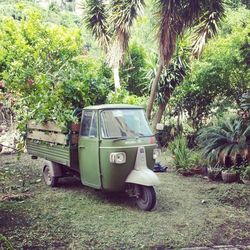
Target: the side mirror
pixel 159 126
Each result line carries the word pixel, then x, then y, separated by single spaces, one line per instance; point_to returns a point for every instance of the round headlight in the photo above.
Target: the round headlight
pixel 118 157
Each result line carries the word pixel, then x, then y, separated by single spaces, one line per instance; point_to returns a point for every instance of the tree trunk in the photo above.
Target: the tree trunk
pixel 159 114
pixel 116 77
pixel 153 91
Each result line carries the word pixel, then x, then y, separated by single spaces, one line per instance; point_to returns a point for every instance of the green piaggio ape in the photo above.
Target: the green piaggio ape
pixel 112 148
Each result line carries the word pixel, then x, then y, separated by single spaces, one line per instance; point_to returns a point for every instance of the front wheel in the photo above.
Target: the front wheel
pixel 145 197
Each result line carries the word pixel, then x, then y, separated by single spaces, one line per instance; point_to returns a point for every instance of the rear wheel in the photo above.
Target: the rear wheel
pixel 48 176
pixel 145 197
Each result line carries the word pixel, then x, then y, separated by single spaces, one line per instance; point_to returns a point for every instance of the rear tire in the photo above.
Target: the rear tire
pixel 146 197
pixel 48 176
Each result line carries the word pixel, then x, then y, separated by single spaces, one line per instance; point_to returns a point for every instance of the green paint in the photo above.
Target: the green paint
pixel 96 144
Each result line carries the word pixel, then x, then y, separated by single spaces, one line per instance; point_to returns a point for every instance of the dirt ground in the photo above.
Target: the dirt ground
pixel 190 211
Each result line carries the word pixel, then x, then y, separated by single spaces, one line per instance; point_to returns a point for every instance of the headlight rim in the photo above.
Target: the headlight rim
pixel 114 157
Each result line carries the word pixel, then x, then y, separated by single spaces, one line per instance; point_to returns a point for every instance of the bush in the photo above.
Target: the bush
pixel 219 78
pixel 245 174
pixel 133 72
pixel 226 143
pixel 123 96
pixel 197 159
pixel 44 66
pixel 181 152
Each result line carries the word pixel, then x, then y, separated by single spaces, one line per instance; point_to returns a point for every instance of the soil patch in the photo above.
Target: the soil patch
pixel 10 220
pixel 228 233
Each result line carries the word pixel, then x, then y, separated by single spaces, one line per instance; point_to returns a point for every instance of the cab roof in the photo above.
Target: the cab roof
pixel 113 106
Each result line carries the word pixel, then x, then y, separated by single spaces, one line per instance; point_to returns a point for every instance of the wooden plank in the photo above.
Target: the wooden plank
pixel 48 137
pixel 48 126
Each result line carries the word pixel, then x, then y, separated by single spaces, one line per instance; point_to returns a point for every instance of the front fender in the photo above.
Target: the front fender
pixel 145 177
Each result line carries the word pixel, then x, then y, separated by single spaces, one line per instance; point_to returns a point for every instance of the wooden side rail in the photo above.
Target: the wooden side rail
pixel 48 137
pixel 48 126
pixel 51 132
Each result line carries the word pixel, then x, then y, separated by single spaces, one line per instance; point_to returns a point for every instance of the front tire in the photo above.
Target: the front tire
pixel 146 197
pixel 48 176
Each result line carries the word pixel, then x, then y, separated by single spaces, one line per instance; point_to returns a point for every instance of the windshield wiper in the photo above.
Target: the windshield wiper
pixel 120 138
pixel 140 135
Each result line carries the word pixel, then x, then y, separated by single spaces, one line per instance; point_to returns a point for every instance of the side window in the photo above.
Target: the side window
pixel 86 122
pixel 93 126
pixel 89 124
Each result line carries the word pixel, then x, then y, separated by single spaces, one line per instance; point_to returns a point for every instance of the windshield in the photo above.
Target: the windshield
pixel 124 123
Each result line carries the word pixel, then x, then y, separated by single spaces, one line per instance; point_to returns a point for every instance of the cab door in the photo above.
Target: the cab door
pixel 88 150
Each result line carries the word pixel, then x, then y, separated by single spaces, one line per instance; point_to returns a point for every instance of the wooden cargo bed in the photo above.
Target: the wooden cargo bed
pixel 50 142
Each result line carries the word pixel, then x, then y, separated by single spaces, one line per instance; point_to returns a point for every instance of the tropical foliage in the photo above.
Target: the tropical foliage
pixel 175 17
pixel 134 70
pixel 45 67
pixel 49 57
pixel 184 157
pixel 181 152
pixel 122 96
pixel 226 143
pixel 111 26
pixel 217 81
pixel 245 175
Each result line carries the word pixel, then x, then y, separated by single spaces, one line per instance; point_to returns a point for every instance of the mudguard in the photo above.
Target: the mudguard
pixel 141 174
pixel 145 177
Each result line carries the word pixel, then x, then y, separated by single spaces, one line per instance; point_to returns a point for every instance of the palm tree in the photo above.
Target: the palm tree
pixel 96 21
pixel 110 24
pixel 175 17
pixel 228 140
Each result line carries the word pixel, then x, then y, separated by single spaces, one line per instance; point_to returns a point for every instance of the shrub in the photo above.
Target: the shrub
pixel 226 143
pixel 133 72
pixel 245 174
pixel 197 159
pixel 123 96
pixel 181 152
pixel 44 66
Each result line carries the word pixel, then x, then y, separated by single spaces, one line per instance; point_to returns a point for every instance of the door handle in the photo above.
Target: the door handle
pixel 81 146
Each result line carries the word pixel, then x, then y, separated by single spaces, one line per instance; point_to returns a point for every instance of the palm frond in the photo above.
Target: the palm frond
pixel 224 140
pixel 96 21
pixel 177 15
pixel 122 16
pixel 169 29
pixel 208 25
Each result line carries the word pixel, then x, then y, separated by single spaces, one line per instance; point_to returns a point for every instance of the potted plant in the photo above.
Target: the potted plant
pixel 230 175
pixel 214 173
pixel 198 164
pixel 185 171
pixel 226 143
pixel 245 175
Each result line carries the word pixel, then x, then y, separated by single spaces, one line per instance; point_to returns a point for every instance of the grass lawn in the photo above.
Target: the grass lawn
pixel 190 211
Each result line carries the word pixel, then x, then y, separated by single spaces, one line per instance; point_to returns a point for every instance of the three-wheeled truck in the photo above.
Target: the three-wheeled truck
pixel 111 148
